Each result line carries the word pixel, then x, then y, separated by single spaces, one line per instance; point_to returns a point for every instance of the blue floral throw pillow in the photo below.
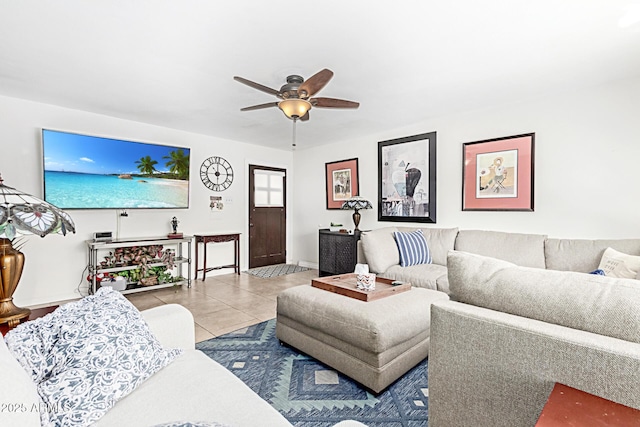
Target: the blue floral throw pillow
pixel 87 355
pixel 413 248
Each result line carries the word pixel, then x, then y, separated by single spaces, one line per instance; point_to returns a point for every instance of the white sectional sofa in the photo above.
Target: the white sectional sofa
pixel 522 316
pixel 378 249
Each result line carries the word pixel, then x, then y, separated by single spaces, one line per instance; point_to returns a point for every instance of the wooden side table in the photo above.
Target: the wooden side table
pixel 569 407
pixel 35 313
pixel 217 238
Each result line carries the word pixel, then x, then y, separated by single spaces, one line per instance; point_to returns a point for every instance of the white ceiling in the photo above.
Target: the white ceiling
pixel 171 63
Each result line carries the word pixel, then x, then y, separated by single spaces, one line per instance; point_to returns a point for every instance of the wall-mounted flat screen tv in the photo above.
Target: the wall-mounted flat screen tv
pixel 91 172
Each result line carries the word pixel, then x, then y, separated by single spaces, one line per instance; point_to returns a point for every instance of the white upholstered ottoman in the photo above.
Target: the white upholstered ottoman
pixel 374 342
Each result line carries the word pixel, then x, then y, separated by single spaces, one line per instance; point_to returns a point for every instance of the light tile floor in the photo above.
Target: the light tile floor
pixel 224 303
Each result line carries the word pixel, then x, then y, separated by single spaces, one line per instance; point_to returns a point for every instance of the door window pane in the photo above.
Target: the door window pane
pixel 269 186
pixel 261 180
pixel 276 198
pixel 261 198
pixel 275 182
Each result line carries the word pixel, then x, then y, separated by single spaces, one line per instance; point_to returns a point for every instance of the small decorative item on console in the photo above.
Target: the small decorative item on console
pixel 108 279
pixel 118 283
pixel 174 227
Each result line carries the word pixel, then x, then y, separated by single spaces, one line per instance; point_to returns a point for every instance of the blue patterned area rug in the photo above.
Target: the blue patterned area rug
pixel 276 270
pixel 310 394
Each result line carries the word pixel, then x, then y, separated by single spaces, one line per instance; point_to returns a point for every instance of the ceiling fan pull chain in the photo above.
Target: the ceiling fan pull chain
pixel 294 133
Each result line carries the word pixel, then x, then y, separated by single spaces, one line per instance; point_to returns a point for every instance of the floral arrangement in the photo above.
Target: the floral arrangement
pixel 141 256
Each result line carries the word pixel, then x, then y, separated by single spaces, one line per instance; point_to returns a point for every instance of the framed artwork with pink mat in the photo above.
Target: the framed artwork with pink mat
pixel 497 174
pixel 341 180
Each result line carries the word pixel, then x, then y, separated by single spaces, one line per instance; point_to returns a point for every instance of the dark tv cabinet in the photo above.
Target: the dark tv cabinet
pixel 338 252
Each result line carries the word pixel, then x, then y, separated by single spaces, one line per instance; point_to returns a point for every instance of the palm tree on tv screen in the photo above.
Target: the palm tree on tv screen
pixel 146 165
pixel 178 163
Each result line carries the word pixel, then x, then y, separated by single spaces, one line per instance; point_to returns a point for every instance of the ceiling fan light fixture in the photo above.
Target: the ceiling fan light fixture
pixel 296 95
pixel 294 108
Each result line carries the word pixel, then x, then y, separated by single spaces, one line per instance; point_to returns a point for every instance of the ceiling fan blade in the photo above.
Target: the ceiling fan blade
pixel 314 83
pixel 258 86
pixel 305 117
pixel 260 106
pixel 333 103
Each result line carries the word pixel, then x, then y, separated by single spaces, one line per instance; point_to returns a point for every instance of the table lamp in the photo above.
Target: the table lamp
pixel 356 203
pixel 22 214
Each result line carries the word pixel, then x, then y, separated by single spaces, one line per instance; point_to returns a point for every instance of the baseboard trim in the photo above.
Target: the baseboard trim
pixel 308 264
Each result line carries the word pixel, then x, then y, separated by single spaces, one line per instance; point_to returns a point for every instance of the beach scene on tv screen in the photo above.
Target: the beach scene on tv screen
pixel 89 172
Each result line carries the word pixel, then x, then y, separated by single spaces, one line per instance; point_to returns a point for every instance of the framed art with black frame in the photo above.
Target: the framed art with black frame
pixel 497 174
pixel 407 179
pixel 341 182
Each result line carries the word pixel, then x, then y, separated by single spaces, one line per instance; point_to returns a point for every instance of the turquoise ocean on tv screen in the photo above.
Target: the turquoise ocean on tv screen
pixel 72 190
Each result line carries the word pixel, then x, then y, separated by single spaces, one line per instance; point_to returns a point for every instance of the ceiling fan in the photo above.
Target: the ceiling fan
pixel 296 95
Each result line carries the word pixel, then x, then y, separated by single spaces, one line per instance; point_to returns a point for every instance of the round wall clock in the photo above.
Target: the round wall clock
pixel 216 173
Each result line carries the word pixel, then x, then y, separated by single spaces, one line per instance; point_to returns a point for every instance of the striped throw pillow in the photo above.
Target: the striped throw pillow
pixel 413 248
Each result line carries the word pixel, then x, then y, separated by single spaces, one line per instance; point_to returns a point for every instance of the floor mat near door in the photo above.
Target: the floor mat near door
pixel 276 270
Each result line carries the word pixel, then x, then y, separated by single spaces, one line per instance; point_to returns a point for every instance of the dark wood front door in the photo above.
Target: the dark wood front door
pixel 267 216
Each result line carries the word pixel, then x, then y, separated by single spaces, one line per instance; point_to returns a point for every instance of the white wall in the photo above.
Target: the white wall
pixel 587 168
pixel 586 178
pixel 54 265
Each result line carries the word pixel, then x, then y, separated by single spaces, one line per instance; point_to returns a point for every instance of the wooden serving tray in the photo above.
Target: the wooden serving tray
pixel 345 284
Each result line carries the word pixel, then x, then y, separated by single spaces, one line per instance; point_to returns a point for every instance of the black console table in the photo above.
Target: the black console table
pixel 338 252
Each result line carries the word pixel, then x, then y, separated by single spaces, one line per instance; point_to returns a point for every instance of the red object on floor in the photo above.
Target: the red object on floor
pixel 35 313
pixel 568 406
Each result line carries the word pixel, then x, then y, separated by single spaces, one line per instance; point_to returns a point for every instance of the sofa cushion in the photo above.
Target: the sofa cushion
pixel 380 249
pixel 618 264
pixel 584 255
pixel 592 303
pixel 442 284
pixel 413 248
pixel 521 249
pixel 193 387
pixel 87 355
pixel 421 275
